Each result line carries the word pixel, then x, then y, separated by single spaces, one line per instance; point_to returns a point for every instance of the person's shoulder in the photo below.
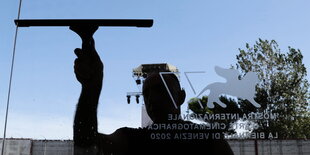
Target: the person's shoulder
pixel 117 142
pixel 130 135
pixel 121 134
pixel 119 139
pixel 129 131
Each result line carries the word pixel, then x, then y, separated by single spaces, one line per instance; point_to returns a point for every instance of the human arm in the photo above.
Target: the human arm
pixel 88 69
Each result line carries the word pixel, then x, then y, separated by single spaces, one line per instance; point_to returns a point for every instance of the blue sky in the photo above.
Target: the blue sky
pixel 193 35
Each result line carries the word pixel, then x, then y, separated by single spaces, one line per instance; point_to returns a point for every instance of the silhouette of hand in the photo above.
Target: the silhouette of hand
pixel 88 68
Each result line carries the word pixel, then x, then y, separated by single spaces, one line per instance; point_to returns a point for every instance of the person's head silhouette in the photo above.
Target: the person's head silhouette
pixel 157 100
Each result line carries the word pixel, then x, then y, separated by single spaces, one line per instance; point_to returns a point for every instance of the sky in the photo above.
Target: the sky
pixel 194 35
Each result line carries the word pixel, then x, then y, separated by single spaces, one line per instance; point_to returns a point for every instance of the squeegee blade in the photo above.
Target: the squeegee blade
pixel 85 22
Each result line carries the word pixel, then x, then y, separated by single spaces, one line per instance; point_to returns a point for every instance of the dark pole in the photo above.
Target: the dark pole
pixel 10 82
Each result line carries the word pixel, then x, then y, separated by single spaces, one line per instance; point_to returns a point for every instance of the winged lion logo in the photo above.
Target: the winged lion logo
pixel 243 88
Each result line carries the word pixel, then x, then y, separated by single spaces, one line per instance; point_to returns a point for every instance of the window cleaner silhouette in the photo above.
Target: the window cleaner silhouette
pixel 170 136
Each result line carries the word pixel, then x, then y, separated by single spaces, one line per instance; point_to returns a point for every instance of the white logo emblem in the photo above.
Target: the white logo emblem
pixel 244 88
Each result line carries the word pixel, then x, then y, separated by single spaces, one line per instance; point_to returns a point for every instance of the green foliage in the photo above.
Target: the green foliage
pixel 232 107
pixel 283 89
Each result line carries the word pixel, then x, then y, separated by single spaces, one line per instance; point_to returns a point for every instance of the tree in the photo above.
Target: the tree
pixel 283 89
